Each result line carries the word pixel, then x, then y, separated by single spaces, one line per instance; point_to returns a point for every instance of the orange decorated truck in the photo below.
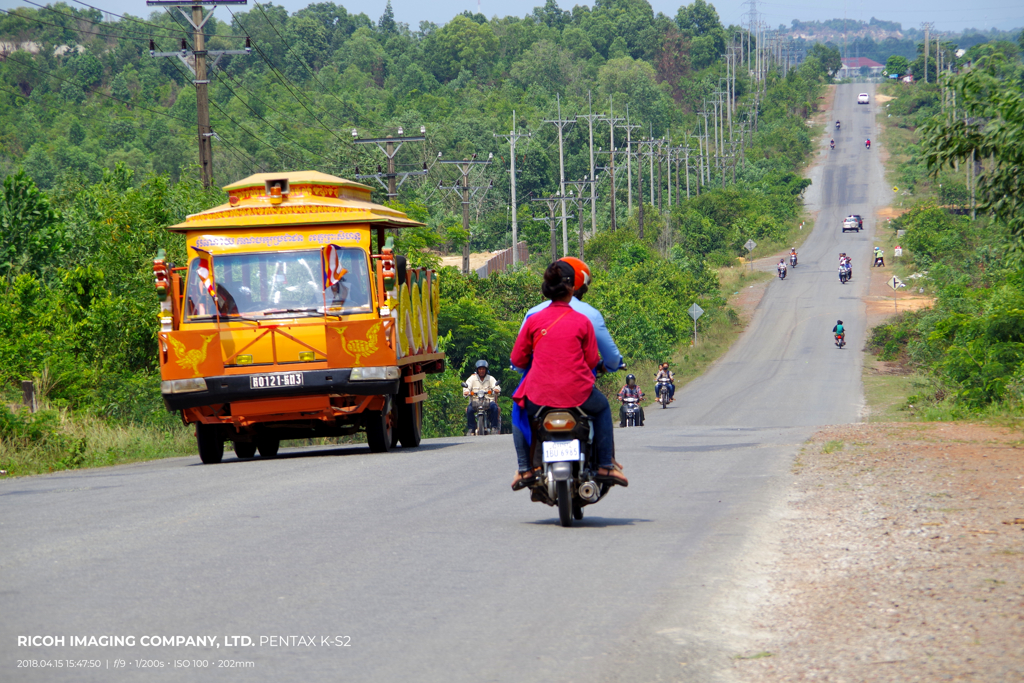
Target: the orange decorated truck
pixel 285 325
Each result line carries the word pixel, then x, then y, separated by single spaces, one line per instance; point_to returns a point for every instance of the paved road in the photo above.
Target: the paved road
pixel 425 560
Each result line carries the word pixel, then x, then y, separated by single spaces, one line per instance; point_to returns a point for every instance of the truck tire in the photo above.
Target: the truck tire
pixel 210 442
pixel 409 429
pixel 268 447
pixel 245 449
pixel 380 426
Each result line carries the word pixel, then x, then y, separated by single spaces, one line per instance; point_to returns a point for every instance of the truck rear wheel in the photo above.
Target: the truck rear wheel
pixel 245 449
pixel 268 447
pixel 409 429
pixel 210 442
pixel 380 427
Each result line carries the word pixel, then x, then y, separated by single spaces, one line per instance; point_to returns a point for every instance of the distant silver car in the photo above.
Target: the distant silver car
pixel 863 98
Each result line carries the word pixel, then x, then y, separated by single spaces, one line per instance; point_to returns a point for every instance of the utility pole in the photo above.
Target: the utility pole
pixel 629 162
pixel 391 145
pixel 465 165
pixel 561 124
pixel 196 20
pixel 512 137
pixel 591 117
pixel 579 199
pixel 612 122
pixel 552 203
pixel 927 28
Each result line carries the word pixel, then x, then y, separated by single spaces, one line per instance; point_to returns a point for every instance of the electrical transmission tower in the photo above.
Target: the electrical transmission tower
pixel 512 137
pixel 196 19
pixel 390 146
pixel 465 165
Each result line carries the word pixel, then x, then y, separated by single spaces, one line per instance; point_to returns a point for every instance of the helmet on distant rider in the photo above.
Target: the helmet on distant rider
pixel 582 271
pixel 481 364
pixel 630 380
pixel 839 322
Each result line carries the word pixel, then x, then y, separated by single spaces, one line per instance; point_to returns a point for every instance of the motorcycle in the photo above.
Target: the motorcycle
pixel 661 390
pixel 867 144
pixel 844 274
pixel 832 145
pixel 632 406
pixel 480 401
pixel 782 272
pixel 563 448
pixel 841 340
pixel 837 125
pixel 792 260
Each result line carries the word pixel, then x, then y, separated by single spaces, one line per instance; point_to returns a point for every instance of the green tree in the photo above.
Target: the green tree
pixel 30 236
pixel 897 64
pixel 461 44
pixel 993 101
pixel 829 58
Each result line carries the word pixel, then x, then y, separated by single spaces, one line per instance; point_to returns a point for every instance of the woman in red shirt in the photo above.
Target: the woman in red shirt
pixel 559 347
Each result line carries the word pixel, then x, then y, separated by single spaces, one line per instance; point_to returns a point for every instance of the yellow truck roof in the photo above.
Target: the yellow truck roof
pixel 306 198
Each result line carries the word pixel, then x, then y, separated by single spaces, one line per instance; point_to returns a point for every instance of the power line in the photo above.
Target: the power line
pixel 304 66
pixel 284 82
pixel 80 18
pixel 67 28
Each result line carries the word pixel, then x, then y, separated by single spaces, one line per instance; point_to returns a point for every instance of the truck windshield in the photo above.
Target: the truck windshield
pixel 279 284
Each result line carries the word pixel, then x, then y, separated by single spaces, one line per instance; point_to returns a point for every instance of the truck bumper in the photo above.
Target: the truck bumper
pixel 229 388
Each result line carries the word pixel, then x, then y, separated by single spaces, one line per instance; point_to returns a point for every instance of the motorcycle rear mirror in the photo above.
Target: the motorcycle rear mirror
pixel 465 386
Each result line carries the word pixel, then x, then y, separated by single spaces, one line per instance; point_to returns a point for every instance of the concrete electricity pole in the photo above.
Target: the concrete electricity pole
pixel 465 165
pixel 629 161
pixel 561 124
pixel 196 20
pixel 579 200
pixel 390 147
pixel 552 220
pixel 612 122
pixel 512 137
pixel 591 117
pixel 927 28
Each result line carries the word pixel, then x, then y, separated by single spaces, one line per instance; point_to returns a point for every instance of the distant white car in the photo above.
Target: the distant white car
pixel 862 98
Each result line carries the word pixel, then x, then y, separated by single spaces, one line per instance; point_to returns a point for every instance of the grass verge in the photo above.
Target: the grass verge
pixel 52 440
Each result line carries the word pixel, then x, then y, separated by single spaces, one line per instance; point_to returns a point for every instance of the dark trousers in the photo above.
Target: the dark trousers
pixel 596 406
pixel 492 415
pixel 622 416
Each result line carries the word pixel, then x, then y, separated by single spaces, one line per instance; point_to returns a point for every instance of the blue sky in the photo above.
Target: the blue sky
pixel 946 15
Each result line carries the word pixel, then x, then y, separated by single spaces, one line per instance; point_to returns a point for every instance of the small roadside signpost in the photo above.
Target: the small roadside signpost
pixel 695 312
pixel 895 283
pixel 749 246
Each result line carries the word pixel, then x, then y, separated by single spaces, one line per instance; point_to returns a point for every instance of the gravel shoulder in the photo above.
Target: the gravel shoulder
pixel 901 559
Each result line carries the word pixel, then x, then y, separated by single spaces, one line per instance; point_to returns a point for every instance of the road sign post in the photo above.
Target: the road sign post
pixel 895 283
pixel 749 246
pixel 695 312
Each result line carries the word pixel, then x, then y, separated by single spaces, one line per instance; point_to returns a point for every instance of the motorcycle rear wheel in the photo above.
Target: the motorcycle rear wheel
pixel 564 503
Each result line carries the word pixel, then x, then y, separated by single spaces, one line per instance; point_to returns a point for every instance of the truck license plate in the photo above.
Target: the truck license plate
pixel 561 451
pixel 282 379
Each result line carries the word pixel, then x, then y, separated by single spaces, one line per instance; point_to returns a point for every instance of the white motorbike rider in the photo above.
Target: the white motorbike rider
pixel 481 380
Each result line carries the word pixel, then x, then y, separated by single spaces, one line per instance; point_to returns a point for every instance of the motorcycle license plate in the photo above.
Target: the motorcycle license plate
pixel 561 451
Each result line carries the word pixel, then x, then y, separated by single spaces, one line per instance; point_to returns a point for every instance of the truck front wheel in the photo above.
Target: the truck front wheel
pixel 210 442
pixel 380 425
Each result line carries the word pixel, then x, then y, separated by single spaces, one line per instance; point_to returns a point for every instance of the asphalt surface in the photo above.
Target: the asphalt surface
pixel 424 562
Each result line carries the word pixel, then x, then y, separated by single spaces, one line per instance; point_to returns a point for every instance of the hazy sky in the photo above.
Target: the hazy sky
pixel 946 15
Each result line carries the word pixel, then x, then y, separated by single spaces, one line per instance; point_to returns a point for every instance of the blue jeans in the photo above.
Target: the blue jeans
pixel 596 406
pixel 671 391
pixel 492 414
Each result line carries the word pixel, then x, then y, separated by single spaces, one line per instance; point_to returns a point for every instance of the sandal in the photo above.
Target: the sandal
pixel 524 479
pixel 613 475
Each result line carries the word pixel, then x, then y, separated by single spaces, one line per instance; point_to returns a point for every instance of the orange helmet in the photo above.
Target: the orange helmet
pixel 581 269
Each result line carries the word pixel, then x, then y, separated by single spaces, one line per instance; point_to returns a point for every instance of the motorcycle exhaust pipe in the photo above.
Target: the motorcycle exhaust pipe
pixel 590 491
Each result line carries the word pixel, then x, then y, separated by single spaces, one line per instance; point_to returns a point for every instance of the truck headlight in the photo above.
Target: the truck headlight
pixel 182 386
pixel 378 373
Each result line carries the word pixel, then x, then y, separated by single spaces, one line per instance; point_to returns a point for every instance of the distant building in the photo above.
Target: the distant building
pixel 852 67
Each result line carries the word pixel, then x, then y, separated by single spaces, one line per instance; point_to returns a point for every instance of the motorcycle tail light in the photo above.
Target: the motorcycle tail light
pixel 559 422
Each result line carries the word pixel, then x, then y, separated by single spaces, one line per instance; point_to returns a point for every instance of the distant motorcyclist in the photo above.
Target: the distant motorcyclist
pixel 781 268
pixel 879 258
pixel 666 374
pixel 792 256
pixel 832 143
pixel 631 390
pixel 477 381
pixel 867 143
pixel 837 125
pixel 839 331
